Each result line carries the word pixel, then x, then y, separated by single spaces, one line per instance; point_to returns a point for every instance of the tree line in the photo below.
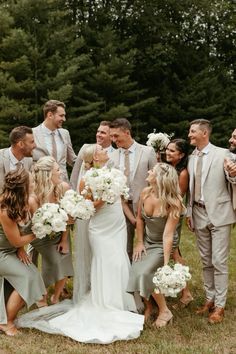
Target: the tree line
pixel 159 63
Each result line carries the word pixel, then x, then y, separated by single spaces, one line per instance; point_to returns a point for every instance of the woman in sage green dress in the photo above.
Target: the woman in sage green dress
pixel 56 252
pixel 158 214
pixel 20 280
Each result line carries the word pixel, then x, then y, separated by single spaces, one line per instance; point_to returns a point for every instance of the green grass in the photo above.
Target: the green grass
pixel 189 333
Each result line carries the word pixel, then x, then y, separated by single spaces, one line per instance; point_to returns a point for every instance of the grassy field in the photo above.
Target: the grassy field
pixel 188 333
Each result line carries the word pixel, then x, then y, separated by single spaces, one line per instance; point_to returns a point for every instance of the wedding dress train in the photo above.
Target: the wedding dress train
pixel 107 312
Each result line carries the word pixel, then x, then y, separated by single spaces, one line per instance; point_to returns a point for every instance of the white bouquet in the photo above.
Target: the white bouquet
pixel 48 220
pixel 170 281
pixel 158 141
pixel 106 184
pixel 76 206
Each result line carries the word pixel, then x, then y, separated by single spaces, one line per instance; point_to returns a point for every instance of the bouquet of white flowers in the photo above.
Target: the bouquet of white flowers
pixel 48 220
pixel 76 206
pixel 158 141
pixel 170 281
pixel 106 184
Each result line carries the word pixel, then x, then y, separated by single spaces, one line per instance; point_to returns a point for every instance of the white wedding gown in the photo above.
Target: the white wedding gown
pixel 102 315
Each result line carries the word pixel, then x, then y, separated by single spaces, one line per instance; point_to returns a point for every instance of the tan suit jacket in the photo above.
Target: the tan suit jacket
pixel 145 159
pixel 216 195
pixel 5 164
pixel 68 156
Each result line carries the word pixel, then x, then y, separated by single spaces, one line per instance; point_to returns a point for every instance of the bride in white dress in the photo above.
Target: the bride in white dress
pixel 107 312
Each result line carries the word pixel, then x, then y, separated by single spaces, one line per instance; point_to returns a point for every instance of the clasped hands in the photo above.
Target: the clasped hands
pixel 230 167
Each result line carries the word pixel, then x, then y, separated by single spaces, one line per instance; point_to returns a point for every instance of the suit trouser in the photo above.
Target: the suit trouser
pixel 213 244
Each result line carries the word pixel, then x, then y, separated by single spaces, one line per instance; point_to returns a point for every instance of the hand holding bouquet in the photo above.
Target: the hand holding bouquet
pixel 106 184
pixel 158 141
pixel 49 220
pixel 170 281
pixel 77 206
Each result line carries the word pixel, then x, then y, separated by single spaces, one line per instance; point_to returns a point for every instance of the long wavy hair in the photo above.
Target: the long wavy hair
pixel 15 195
pixel 42 175
pixel 167 190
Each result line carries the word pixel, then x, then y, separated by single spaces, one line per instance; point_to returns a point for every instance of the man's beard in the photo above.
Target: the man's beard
pixel 232 149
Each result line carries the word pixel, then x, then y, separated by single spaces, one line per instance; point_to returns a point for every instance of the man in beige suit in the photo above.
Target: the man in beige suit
pixel 19 153
pixel 210 215
pixel 141 159
pixel 103 139
pixel 51 139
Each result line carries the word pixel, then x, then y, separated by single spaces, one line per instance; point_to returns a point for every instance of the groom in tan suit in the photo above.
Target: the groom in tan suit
pixel 51 139
pixel 210 215
pixel 141 158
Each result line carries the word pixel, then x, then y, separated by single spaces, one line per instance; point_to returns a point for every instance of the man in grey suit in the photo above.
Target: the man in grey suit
pixel 51 139
pixel 141 158
pixel 210 215
pixel 19 153
pixel 103 139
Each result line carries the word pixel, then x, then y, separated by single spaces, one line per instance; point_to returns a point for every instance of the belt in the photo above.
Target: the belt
pixel 200 205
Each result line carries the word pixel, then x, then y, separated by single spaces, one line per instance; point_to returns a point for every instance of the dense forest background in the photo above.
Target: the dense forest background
pixel 160 63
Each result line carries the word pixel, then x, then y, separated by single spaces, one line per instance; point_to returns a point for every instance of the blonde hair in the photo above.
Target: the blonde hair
pixel 42 175
pixel 167 191
pixel 88 156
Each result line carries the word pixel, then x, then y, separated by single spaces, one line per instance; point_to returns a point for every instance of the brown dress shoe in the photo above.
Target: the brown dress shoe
pixel 207 307
pixel 217 315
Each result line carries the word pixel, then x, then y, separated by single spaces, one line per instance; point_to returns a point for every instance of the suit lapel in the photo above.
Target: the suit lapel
pixel 209 159
pixel 6 162
pixel 137 156
pixel 40 141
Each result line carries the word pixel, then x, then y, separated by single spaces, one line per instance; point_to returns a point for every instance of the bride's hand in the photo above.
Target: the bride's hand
pixel 138 250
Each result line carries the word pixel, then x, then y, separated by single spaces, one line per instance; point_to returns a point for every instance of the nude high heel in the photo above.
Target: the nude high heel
pixel 164 319
pixel 185 302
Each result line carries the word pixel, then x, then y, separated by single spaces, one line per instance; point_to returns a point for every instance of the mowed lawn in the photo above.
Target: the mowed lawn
pixel 188 333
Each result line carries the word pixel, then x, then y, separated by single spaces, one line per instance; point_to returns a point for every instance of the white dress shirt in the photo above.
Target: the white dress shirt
pixel 48 141
pixel 205 152
pixel 13 161
pixel 131 150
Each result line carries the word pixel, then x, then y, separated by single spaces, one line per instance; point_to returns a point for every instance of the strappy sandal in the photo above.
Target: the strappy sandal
pixel 185 302
pixel 163 320
pixel 8 330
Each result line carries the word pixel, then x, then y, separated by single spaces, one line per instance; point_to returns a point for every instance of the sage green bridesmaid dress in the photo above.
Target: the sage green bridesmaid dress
pixel 142 271
pixel 55 265
pixel 14 274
